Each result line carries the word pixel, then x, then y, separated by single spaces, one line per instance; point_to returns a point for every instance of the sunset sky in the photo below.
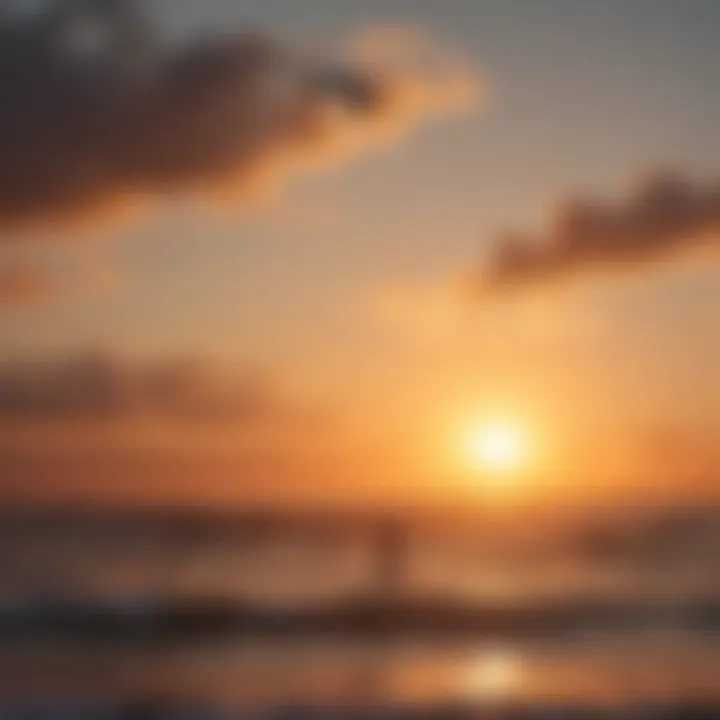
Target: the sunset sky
pixel 351 301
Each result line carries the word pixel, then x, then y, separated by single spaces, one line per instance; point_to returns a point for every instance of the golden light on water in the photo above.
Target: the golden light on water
pixel 493 676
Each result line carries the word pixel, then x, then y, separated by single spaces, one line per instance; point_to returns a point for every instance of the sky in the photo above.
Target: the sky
pixel 343 289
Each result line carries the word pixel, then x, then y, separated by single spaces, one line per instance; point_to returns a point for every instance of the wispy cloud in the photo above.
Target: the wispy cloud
pixel 106 387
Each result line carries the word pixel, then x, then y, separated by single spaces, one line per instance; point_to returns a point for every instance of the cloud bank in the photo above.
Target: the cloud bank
pixel 668 215
pixel 97 426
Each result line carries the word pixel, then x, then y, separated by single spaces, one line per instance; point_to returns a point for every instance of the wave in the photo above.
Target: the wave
pixel 360 616
pixel 158 709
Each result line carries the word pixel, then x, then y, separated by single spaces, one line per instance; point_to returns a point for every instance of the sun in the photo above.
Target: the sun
pixel 498 449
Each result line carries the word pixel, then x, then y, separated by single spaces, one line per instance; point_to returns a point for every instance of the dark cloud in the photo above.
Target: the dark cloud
pixel 98 112
pixel 102 387
pixel 668 214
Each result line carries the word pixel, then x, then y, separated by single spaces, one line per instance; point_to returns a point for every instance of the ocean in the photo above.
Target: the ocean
pixel 165 613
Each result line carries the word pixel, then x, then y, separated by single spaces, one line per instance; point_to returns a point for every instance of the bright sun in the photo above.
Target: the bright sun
pixel 497 449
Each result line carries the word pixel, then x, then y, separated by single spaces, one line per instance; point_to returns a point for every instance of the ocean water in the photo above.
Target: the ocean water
pixel 600 670
pixel 141 614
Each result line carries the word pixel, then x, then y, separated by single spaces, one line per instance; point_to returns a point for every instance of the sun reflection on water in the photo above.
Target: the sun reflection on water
pixel 493 675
